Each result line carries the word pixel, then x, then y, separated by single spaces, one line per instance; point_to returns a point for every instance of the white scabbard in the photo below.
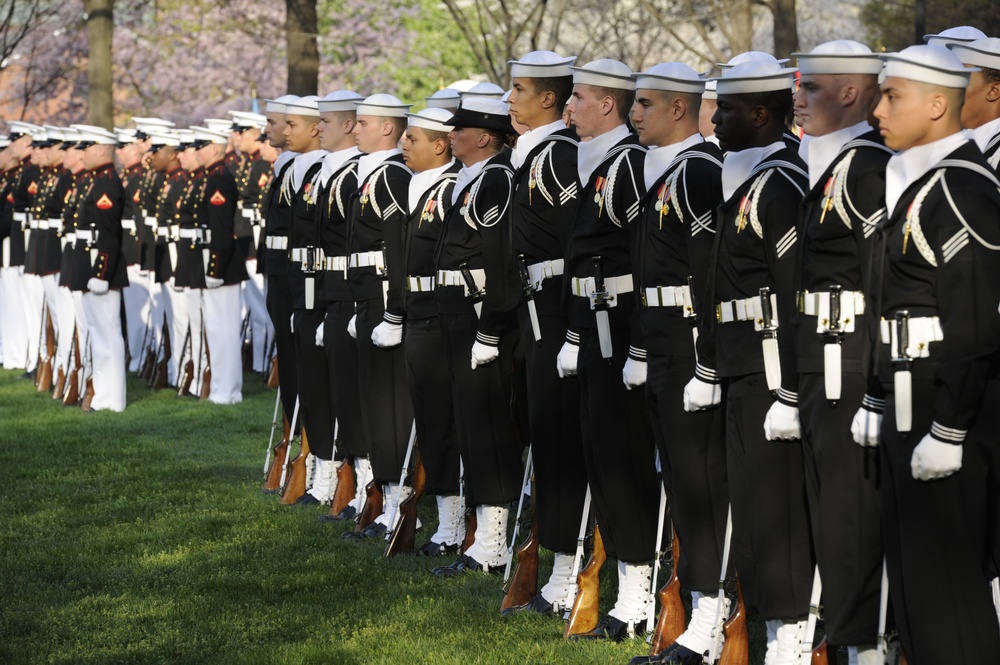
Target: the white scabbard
pixel 831 370
pixel 903 382
pixel 205 256
pixel 27 235
pixel 479 309
pixel 172 253
pixel 772 364
pixel 310 292
pixel 6 251
pixel 93 257
pixel 533 315
pixel 604 333
pixel 256 235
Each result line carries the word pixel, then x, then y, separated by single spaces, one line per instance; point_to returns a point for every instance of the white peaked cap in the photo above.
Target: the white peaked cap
pixel 186 137
pixel 151 123
pixel 125 135
pixel 55 133
pixel 338 101
pixel 843 56
pixel 957 35
pixel 430 118
pixel 307 106
pixel 164 138
pixel 463 85
pixel 207 135
pixel 20 127
pixel 94 134
pixel 710 92
pixel 277 105
pixel 755 76
pixel 486 89
pixel 605 73
pixel 672 77
pixel 218 124
pixel 447 98
pixel 928 63
pixel 247 119
pixel 383 105
pixel 980 53
pixel 541 64
pixel 70 135
pixel 750 56
pixel 41 134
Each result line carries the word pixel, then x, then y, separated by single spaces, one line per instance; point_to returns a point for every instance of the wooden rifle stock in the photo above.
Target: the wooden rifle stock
pixel 586 608
pixel 60 384
pixel 345 488
pixel 819 655
pixel 524 581
pixel 43 378
pixel 470 529
pixel 296 485
pixel 373 506
pixel 272 377
pixel 736 650
pixel 403 536
pixel 72 395
pixel 159 378
pixel 281 451
pixel 670 624
pixel 206 384
pixel 88 395
pixel 148 366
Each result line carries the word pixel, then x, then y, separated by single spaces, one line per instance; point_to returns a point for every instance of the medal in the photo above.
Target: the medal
pixel 662 207
pixel 531 184
pixel 906 228
pixel 741 218
pixel 599 196
pixel 827 198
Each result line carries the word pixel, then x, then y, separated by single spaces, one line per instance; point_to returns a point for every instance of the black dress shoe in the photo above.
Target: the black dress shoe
pixel 307 499
pixel 436 549
pixel 463 564
pixel 610 628
pixel 538 605
pixel 348 513
pixel 675 654
pixel 373 530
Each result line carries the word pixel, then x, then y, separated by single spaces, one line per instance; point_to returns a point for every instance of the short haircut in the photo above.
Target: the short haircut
pixel 623 99
pixel 398 124
pixel 777 102
pixel 990 74
pixel 560 86
pixel 435 135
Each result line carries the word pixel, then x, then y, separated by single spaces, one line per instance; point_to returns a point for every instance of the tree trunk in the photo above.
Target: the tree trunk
pixel 741 24
pixel 786 32
pixel 100 33
pixel 301 26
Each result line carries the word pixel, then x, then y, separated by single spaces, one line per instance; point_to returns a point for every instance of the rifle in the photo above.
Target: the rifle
pixel 206 374
pixel 524 582
pixel 517 519
pixel 403 474
pixel 404 534
pixel 274 425
pixel 736 650
pixel 374 503
pixel 583 617
pixel 59 386
pixel 184 384
pixel 818 655
pixel 88 393
pixel 246 335
pixel 578 557
pixel 146 351
pixel 470 528
pixel 273 478
pixel 291 433
pixel 345 488
pixel 72 394
pixel 296 486
pixel 670 623
pixel 43 378
pixel 159 378
pixel 272 377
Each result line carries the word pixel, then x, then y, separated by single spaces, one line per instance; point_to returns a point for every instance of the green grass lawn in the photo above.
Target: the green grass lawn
pixel 143 537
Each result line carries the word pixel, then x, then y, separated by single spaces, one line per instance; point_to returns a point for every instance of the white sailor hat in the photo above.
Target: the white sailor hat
pixel 307 106
pixel 672 77
pixel 19 128
pixel 382 105
pixel 749 56
pixel 958 35
pixel 448 98
pixel 278 105
pixel 217 124
pixel 186 138
pixel 483 90
pixel 462 85
pixel 541 64
pixel 91 134
pixel 482 113
pixel 204 136
pixel 605 73
pixel 339 101
pixel 430 118
pixel 842 56
pixel 247 120
pixel 980 53
pixel 928 63
pixel 710 92
pixel 159 139
pixel 755 76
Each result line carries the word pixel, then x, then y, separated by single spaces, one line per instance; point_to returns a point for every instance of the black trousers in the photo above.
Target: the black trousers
pixel 693 459
pixel 767 491
pixel 842 481
pixel 555 435
pixel 387 412
pixel 619 451
pixel 433 406
pixel 935 533
pixel 483 417
pixel 315 410
pixel 279 308
pixel 342 363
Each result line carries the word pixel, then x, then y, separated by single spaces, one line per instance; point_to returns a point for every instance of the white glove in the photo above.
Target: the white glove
pixel 566 360
pixel 319 332
pixel 782 423
pixel 933 459
pixel 212 282
pixel 387 335
pixel 352 327
pixel 483 354
pixel 97 286
pixel 634 373
pixel 866 427
pixel 700 395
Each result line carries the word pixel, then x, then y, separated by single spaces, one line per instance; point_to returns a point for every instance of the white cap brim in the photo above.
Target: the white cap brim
pixel 839 64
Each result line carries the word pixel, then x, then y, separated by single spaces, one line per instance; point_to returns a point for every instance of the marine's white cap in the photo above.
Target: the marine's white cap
pixel 21 128
pixel 204 136
pixel 430 118
pixel 541 64
pixel 928 63
pixel 339 101
pixel 246 119
pixel 672 77
pixel 605 73
pixel 94 134
pixel 382 105
pixel 151 123
pixel 755 76
pixel 218 124
pixel 164 138
pixel 842 56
